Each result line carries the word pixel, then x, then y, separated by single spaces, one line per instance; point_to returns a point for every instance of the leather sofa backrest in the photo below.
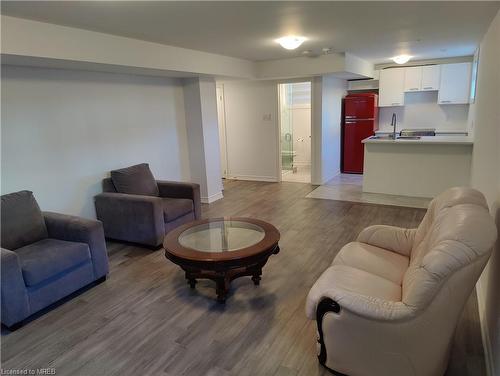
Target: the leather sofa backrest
pixel 456 231
pixel 22 221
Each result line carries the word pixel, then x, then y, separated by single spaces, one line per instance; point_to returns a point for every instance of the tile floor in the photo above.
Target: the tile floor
pixel 349 187
pixel 302 175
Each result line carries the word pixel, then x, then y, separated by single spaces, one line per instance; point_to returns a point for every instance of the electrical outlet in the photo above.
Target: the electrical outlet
pixel 267 117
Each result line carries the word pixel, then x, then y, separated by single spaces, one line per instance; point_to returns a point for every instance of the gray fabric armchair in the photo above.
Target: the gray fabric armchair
pixel 135 207
pixel 45 256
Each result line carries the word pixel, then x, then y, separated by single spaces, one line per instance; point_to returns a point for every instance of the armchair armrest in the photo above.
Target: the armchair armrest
pixel 133 218
pixel 77 229
pixel 396 239
pixel 182 190
pixel 15 304
pixel 369 307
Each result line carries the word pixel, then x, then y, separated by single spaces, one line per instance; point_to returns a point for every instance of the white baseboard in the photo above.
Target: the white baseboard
pixel 272 179
pixel 485 334
pixel 212 198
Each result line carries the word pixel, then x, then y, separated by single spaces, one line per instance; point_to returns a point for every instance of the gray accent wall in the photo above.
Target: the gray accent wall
pixel 63 131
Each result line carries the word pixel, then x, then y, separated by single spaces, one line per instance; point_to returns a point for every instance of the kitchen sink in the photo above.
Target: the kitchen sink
pixel 408 137
pixel 389 137
pixel 385 137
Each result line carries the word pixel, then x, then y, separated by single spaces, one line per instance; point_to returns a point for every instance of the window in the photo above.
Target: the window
pixel 300 94
pixel 473 84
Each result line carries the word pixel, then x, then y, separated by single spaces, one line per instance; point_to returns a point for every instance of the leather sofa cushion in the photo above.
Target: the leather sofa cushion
pixel 357 281
pixel 386 264
pixel 174 208
pixel 135 180
pixel 50 257
pixel 22 221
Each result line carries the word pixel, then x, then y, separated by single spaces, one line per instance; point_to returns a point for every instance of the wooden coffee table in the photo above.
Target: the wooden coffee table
pixel 222 249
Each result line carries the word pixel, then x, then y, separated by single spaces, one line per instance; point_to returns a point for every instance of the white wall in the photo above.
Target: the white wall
pixel 40 40
pixel 63 131
pixel 31 42
pixel 343 65
pixel 328 92
pixel 422 111
pixel 252 141
pixel 203 136
pixel 486 177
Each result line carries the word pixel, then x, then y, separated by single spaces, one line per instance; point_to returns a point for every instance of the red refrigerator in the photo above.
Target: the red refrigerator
pixel 360 121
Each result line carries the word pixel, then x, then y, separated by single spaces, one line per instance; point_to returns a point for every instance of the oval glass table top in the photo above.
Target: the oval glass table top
pixel 221 236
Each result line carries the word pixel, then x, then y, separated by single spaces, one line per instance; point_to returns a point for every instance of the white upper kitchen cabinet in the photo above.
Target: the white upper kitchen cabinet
pixel 431 75
pixel 422 78
pixel 413 78
pixel 454 85
pixel 391 87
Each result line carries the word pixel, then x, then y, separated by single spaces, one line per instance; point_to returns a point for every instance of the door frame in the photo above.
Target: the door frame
pixel 278 138
pixel 221 114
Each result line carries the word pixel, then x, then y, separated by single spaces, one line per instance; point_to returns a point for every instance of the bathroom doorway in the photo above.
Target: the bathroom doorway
pixel 295 131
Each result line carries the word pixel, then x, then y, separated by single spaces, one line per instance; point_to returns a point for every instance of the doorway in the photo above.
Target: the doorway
pixel 295 131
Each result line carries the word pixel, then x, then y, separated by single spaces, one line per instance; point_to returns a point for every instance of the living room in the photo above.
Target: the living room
pixel 146 224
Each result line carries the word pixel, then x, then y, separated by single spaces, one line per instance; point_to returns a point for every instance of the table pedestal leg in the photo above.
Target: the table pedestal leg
pixel 256 277
pixel 190 280
pixel 222 288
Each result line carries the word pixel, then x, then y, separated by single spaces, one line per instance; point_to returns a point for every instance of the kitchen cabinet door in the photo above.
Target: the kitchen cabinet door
pixel 454 87
pixel 391 87
pixel 413 78
pixel 430 77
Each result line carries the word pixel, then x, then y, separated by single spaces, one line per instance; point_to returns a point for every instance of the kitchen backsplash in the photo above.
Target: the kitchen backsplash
pixel 422 111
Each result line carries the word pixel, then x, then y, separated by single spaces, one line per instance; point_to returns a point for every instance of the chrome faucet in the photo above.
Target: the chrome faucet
pixel 393 123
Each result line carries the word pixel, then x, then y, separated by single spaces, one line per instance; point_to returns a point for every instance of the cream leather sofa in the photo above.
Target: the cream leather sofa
pixel 390 301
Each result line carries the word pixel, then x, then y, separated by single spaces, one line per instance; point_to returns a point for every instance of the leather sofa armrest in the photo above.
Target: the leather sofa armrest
pixel 15 303
pixel 395 239
pixel 368 307
pixel 182 190
pixel 77 229
pixel 135 218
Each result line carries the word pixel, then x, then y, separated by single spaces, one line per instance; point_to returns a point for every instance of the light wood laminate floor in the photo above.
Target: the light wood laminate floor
pixel 144 320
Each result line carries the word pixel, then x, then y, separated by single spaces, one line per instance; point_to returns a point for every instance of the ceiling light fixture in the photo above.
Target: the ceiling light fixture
pixel 401 59
pixel 290 42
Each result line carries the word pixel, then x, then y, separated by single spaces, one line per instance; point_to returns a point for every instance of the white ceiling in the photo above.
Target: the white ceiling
pixel 372 30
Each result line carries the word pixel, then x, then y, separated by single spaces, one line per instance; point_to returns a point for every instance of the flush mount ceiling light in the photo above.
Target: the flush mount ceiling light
pixel 401 59
pixel 290 42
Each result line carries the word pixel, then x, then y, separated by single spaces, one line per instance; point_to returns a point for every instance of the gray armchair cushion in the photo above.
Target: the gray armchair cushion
pixel 48 258
pixel 22 220
pixel 135 180
pixel 174 208
pixel 82 230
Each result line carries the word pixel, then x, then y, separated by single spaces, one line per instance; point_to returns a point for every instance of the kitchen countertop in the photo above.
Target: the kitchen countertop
pixel 434 140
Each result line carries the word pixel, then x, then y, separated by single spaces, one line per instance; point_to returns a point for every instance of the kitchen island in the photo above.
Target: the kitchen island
pixel 422 167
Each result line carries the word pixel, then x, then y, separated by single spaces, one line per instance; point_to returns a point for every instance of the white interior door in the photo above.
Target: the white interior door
pixel 221 116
